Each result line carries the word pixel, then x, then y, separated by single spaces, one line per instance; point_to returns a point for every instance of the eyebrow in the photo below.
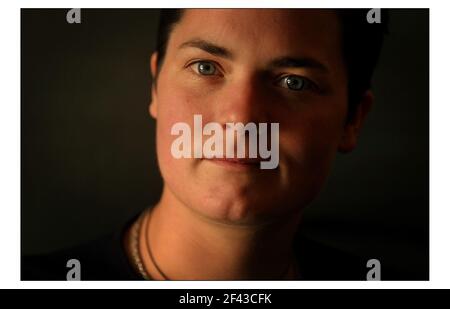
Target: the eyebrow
pixel 304 62
pixel 208 47
pixel 281 62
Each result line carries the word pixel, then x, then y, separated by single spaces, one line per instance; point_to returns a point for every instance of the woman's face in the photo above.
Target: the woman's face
pixel 260 66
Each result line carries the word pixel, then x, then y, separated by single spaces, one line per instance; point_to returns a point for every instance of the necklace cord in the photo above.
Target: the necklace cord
pixel 134 246
pixel 147 242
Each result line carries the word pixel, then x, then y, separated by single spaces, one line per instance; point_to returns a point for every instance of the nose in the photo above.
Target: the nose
pixel 242 100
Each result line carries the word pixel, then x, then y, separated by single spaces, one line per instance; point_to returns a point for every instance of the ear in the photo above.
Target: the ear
pixel 352 129
pixel 153 107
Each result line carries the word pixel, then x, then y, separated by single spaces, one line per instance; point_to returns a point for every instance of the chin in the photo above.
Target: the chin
pixel 235 208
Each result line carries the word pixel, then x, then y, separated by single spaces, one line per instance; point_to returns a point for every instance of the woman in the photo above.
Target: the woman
pixel 225 218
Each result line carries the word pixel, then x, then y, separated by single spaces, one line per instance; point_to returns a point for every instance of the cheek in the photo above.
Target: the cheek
pixel 175 104
pixel 170 112
pixel 321 136
pixel 310 142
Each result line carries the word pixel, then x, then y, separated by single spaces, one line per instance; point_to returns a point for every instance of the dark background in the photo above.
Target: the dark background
pixel 88 157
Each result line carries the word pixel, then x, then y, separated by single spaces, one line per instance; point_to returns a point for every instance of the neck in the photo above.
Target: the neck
pixel 188 246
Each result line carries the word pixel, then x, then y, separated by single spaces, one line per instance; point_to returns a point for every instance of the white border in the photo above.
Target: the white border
pixel 10 147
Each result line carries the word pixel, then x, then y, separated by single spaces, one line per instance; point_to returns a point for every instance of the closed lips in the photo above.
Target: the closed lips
pixel 238 160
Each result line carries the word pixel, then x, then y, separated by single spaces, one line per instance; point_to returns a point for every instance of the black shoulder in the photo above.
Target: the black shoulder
pixel 101 259
pixel 318 261
pixel 44 267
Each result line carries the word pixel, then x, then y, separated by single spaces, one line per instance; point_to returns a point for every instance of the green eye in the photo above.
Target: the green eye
pixel 294 82
pixel 205 68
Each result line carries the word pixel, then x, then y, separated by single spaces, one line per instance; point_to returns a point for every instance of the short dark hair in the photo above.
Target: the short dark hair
pixel 361 47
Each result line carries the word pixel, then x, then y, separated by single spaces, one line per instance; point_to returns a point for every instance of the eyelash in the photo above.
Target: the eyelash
pixel 197 62
pixel 309 85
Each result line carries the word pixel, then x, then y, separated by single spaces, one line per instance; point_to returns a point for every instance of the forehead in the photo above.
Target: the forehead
pixel 263 32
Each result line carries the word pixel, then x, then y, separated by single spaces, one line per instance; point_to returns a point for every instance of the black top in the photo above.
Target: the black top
pixel 106 259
